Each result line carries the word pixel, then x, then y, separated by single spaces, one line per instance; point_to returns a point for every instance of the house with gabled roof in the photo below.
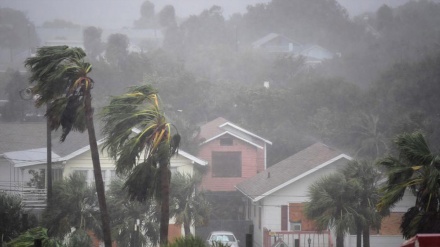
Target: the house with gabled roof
pixel 233 153
pixel 275 196
pixel 23 148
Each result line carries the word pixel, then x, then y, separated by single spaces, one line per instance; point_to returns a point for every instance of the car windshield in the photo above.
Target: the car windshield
pixel 223 238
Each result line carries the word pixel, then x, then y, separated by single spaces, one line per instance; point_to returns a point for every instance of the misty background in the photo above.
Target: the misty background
pixel 119 13
pixel 351 74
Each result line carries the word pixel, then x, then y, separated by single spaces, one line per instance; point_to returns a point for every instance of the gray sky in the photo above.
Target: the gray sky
pixel 122 13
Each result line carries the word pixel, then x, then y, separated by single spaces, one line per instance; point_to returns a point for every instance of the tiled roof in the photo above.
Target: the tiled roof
pixel 282 173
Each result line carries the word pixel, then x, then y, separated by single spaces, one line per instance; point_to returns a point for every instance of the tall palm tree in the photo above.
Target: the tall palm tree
pixel 62 83
pixel 144 157
pixel 331 205
pixel 417 170
pixel 189 206
pixel 363 176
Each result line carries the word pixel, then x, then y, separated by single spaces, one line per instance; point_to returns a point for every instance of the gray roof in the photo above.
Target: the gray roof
pixel 287 171
pixel 19 136
pixel 29 157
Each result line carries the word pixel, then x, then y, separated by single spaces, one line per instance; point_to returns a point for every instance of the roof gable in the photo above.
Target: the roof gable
pixel 220 126
pixel 293 168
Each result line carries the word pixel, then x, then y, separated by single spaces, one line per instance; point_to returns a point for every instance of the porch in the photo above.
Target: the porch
pixel 33 199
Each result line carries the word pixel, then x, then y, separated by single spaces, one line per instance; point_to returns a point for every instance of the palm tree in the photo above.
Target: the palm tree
pixel 331 205
pixel 363 176
pixel 188 205
pixel 415 169
pixel 372 142
pixel 126 214
pixel 74 205
pixel 62 83
pixel 144 157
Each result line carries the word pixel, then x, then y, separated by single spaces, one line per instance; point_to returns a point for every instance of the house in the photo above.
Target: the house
pixel 276 43
pixel 279 44
pixel 276 197
pixel 71 156
pixel 233 153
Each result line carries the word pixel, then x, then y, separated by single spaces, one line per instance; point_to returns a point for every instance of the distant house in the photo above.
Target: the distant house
pixel 276 197
pixel 279 44
pixel 233 153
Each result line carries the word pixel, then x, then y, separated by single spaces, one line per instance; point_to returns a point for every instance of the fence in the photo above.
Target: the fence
pixel 297 239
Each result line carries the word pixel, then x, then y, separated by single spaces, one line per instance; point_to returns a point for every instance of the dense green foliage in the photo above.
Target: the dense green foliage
pixel 12 217
pixel 414 168
pixel 28 239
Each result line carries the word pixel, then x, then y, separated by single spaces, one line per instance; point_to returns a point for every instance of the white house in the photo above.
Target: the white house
pixel 276 196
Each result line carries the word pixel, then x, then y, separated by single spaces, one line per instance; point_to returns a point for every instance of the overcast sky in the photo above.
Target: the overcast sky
pixel 122 13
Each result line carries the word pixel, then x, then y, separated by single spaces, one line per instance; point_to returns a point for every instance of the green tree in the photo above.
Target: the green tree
pixel 74 205
pixel 331 205
pixel 11 217
pixel 415 168
pixel 125 215
pixel 116 51
pixel 144 157
pixel 167 17
pixel 188 205
pixel 15 108
pixel 92 41
pixel 61 80
pixel 364 177
pixel 27 239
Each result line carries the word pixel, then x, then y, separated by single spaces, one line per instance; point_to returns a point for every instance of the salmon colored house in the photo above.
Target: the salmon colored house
pixel 233 154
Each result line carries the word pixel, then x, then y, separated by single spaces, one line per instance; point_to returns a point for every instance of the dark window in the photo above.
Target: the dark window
pixel 226 141
pixel 226 164
pixel 284 216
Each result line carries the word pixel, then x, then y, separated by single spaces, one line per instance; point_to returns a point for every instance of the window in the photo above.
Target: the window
pixel 226 164
pixel 82 173
pixel 226 141
pixel 295 226
pixel 284 216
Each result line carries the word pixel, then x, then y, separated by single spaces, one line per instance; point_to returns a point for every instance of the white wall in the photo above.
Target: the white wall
pixel 296 192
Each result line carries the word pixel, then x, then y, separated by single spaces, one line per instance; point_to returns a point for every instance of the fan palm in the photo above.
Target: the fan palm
pixel 62 83
pixel 331 205
pixel 363 177
pixel 188 205
pixel 149 175
pixel 417 170
pixel 127 214
pixel 74 206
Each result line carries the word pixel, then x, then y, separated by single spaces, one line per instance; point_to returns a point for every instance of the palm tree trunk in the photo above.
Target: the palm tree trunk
pixel 165 203
pixel 366 236
pixel 340 240
pixel 105 218
pixel 358 235
pixel 187 228
pixel 49 161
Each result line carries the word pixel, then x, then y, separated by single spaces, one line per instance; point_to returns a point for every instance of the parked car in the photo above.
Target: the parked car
pixel 224 237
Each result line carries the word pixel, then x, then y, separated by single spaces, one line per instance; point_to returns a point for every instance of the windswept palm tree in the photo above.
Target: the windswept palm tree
pixel 331 205
pixel 145 156
pixel 62 83
pixel 417 170
pixel 188 205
